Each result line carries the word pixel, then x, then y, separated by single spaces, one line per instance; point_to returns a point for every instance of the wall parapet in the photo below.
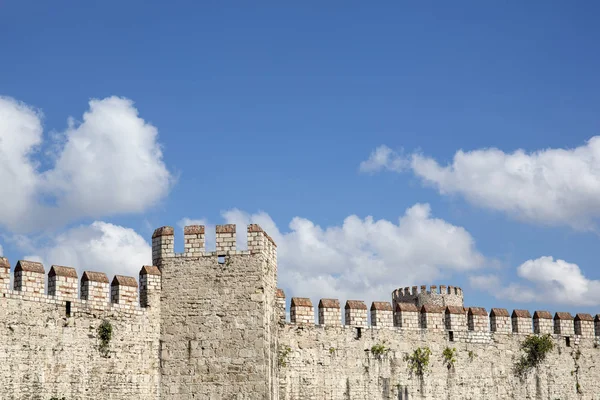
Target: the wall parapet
pixel 454 320
pixel 91 292
pixel 258 242
pixel 442 295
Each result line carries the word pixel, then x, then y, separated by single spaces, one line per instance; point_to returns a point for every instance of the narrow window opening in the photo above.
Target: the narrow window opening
pixel 451 336
pixel 221 259
pixel 68 309
pixel 358 333
pixel 568 341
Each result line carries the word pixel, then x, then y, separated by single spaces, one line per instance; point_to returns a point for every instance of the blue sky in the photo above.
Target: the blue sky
pixel 231 112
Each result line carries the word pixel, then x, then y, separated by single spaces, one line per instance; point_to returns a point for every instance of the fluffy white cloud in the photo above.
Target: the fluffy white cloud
pixel 108 164
pixel 550 186
pixel 20 135
pixel 546 281
pixel 384 158
pixel 364 258
pixel 101 247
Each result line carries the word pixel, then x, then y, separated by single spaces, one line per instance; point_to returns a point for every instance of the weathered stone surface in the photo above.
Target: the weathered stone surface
pixel 351 371
pixel 49 346
pixel 211 325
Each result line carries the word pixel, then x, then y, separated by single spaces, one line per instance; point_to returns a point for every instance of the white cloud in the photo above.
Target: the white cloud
pixel 1 251
pixel 384 158
pixel 20 135
pixel 108 164
pixel 550 186
pixel 546 281
pixel 100 246
pixel 365 258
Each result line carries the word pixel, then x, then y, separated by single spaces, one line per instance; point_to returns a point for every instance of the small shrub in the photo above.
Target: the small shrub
pixel 283 354
pixel 449 356
pixel 418 361
pixel 536 348
pixel 379 349
pixel 331 350
pixel 105 335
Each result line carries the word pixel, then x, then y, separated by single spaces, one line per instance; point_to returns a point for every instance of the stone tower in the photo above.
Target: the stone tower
pixel 218 323
pixel 445 296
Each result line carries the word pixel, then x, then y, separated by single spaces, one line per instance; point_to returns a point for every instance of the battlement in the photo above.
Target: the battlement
pixel 474 322
pixel 259 242
pixel 442 296
pixel 92 292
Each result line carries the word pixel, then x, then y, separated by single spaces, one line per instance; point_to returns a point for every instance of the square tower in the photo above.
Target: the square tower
pixel 219 315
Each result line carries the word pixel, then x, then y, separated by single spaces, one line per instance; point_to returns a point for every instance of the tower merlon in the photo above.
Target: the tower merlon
pixel 456 319
pixel 542 322
pixel 301 311
pixel 432 317
pixel 150 283
pixel 382 314
pixel 94 288
pixel 225 238
pixel 30 278
pixel 564 324
pixel 194 237
pixel 584 325
pixel 4 275
pixel 406 316
pixel 280 304
pixel 478 319
pixel 355 313
pixel 63 282
pixel 500 320
pixel 329 312
pixel 123 290
pixel 521 321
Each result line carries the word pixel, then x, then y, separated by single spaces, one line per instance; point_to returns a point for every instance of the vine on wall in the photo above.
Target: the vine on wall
pixel 104 335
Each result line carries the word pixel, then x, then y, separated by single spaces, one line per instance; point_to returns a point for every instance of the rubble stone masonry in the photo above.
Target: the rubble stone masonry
pixel 213 325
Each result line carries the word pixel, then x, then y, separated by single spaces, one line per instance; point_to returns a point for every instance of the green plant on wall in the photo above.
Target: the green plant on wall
pixel 379 349
pixel 105 331
pixel 472 355
pixel 331 350
pixel 449 356
pixel 283 353
pixel 418 361
pixel 535 349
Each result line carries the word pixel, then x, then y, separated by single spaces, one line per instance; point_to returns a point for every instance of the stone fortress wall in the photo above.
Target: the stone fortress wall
pixel 49 344
pixel 218 320
pixel 350 358
pixel 212 325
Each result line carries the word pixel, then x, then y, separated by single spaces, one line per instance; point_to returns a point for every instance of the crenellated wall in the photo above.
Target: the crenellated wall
pixel 445 295
pixel 347 360
pixel 219 315
pixel 49 342
pixel 212 325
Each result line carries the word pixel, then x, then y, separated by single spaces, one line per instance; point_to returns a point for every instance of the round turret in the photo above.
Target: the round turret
pixel 444 296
